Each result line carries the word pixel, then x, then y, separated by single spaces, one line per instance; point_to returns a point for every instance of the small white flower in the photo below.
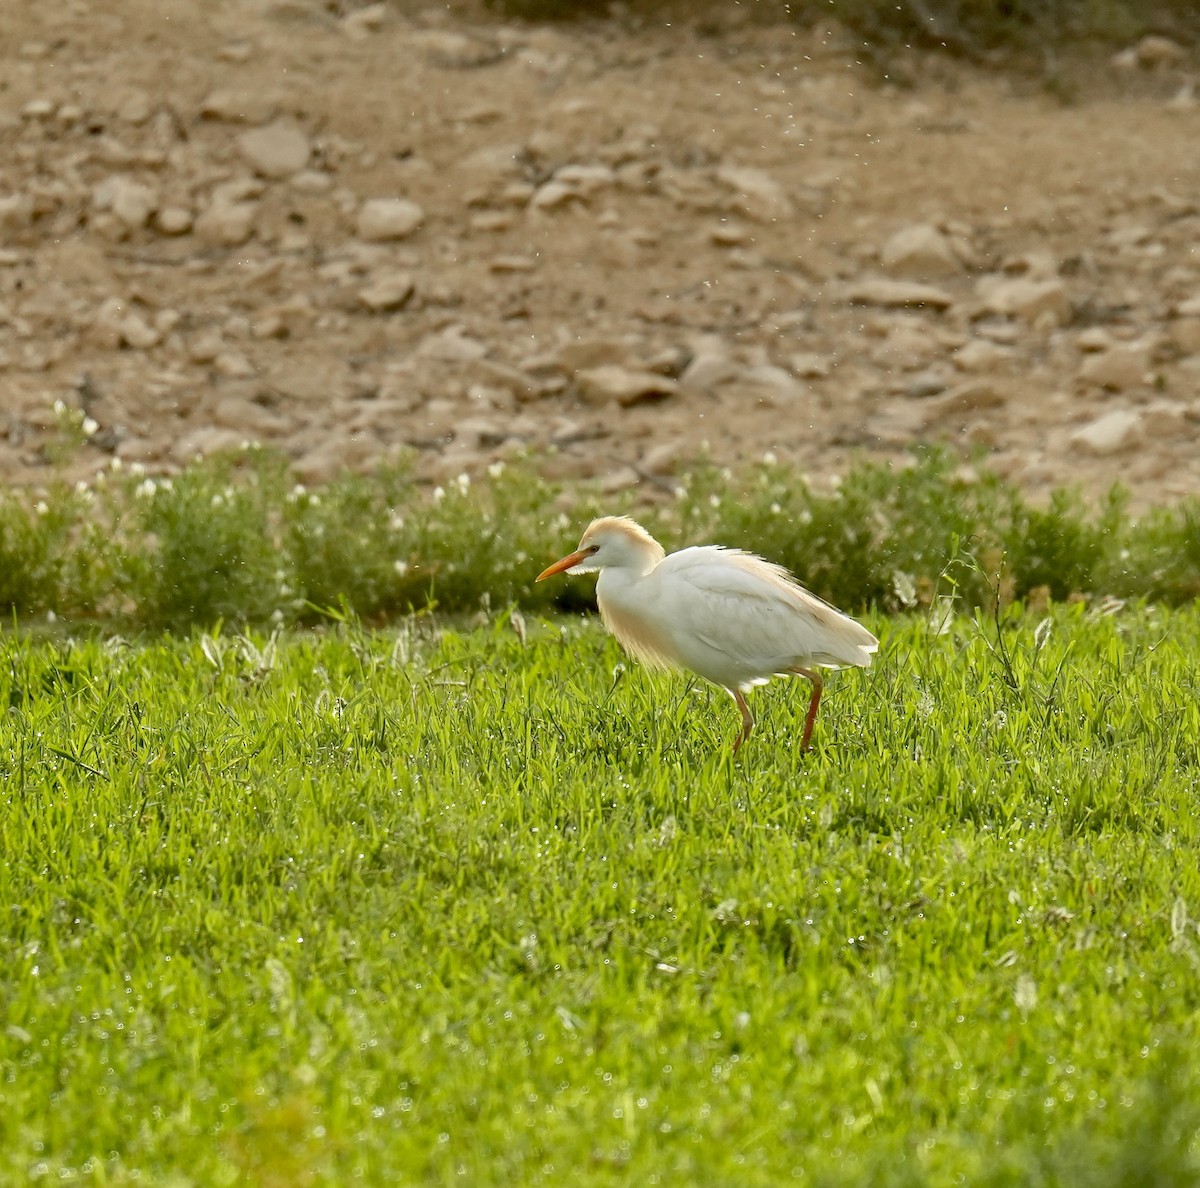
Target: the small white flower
pixel 314 500
pixel 396 522
pixel 59 408
pixel 496 469
pixel 145 489
pixel 775 509
pixel 89 426
pixel 137 469
pixel 769 458
pixel 714 501
pixel 115 464
pixel 439 494
pixel 218 499
pixel 401 567
pixel 277 615
pixel 41 507
pixel 680 492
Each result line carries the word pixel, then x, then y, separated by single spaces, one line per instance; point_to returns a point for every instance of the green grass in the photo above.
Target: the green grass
pixel 434 906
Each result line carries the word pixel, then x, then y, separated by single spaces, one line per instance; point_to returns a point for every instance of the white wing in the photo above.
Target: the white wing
pixel 749 618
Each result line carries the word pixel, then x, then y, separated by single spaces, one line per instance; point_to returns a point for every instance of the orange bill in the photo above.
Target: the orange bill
pixel 565 563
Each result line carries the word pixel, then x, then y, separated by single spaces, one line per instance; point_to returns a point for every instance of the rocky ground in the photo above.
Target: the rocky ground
pixel 354 232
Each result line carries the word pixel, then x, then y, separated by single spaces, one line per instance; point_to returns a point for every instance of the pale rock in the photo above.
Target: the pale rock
pixel 275 150
pixel 1166 421
pixel 107 322
pixel 39 109
pixel 508 264
pixel 585 179
pixel 383 219
pixel 143 449
pixel 226 224
pixel 729 234
pixel 248 416
pixel 387 292
pixel 708 369
pixel 554 193
pixel 1123 365
pixel 778 382
pixel 365 21
pixel 665 457
pixel 312 181
pixel 205 346
pixel 16 212
pixel 970 397
pixel 611 383
pixel 205 440
pixel 130 201
pixel 1155 51
pixel 810 365
pixel 896 294
pixel 622 479
pixel 1185 334
pixel 137 333
pixel 981 355
pixel 919 252
pixel 452 346
pixel 1108 434
pixel 1094 338
pixel 234 365
pixel 236 105
pixel 756 193
pixel 1021 297
pixel 585 353
pixel 173 220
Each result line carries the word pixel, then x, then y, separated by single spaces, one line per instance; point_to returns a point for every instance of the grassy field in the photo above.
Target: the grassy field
pixel 451 906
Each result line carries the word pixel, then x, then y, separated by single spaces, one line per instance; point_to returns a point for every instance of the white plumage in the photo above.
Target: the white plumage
pixel 726 615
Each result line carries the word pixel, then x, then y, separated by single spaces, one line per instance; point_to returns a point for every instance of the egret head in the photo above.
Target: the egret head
pixel 611 541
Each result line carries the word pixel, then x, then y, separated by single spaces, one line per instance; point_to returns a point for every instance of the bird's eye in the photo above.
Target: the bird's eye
pixel 593 548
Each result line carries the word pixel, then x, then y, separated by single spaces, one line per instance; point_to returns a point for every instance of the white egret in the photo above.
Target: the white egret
pixel 724 614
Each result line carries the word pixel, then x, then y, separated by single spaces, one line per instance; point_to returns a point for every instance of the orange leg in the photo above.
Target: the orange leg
pixel 747 718
pixel 818 686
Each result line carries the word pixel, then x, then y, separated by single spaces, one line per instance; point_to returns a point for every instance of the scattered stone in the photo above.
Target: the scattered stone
pixel 16 211
pixel 130 201
pixel 388 292
pixel 1154 51
pixel 452 346
pixel 208 439
pixel 897 294
pixel 239 106
pixel 226 224
pixel 981 355
pixel 613 384
pixel 383 219
pixel 756 193
pixel 709 368
pixel 809 365
pixel 173 220
pixel 1094 338
pixel 1035 301
pixel 1124 365
pixel 920 252
pixel 1109 434
pixel 512 264
pixel 277 150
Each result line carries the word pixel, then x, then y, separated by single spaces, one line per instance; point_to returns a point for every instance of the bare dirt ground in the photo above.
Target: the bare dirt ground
pixel 353 233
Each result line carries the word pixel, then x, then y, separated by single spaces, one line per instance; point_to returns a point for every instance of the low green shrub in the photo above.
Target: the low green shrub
pixel 232 538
